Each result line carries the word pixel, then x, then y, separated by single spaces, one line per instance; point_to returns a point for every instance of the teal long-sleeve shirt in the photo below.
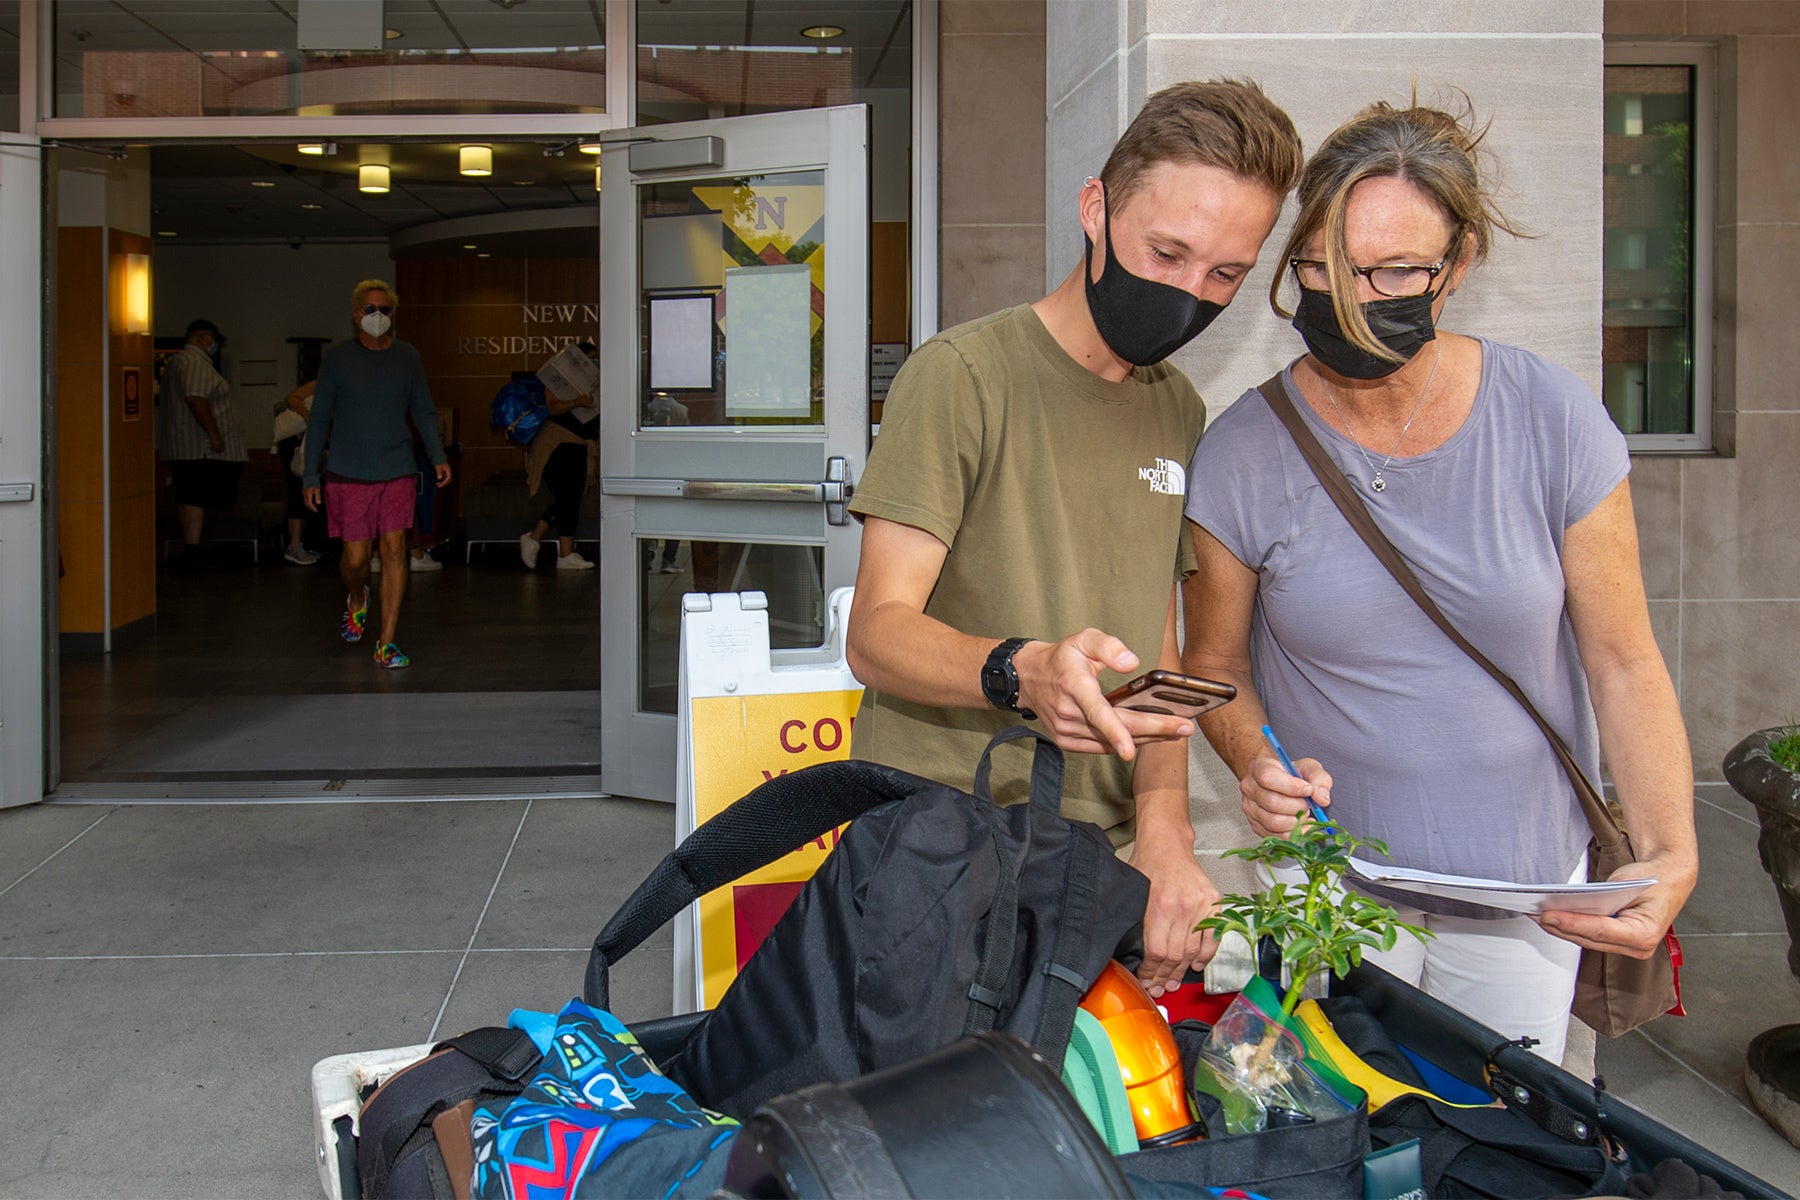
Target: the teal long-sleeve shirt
pixel 359 411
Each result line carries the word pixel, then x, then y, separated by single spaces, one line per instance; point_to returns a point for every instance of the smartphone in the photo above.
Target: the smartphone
pixel 1171 694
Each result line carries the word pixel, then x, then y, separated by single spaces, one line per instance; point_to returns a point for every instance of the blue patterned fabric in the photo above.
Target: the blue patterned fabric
pixel 596 1094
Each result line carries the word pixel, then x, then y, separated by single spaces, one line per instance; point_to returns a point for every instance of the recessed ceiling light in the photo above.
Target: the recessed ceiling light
pixel 475 160
pixel 262 183
pixel 821 32
pixel 524 183
pixel 468 245
pixel 310 205
pixel 589 147
pixel 391 34
pixel 165 233
pixel 483 254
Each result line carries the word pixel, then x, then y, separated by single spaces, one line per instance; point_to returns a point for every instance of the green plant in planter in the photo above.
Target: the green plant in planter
pixel 1785 749
pixel 1318 925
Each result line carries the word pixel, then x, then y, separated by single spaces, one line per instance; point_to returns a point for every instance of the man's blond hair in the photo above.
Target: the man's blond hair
pixel 374 285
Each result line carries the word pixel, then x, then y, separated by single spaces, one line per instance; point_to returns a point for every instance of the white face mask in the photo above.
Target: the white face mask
pixel 376 324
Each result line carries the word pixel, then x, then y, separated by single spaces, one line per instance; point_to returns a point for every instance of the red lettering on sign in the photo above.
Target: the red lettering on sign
pixel 827 725
pixel 787 725
pixel 767 776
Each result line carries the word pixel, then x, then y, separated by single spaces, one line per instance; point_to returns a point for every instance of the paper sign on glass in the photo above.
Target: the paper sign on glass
pixel 768 341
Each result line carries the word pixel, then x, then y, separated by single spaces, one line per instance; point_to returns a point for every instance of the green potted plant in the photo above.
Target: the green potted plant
pixel 1764 769
pixel 1319 926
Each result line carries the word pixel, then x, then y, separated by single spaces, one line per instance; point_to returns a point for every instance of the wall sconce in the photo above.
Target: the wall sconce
pixel 373 178
pixel 313 148
pixel 597 170
pixel 135 295
pixel 589 147
pixel 476 160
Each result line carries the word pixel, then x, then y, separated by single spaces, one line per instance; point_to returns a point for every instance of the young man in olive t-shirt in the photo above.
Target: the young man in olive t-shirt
pixel 1022 508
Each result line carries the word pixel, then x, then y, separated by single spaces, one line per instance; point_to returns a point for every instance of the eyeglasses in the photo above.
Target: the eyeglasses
pixel 1392 279
pixel 386 310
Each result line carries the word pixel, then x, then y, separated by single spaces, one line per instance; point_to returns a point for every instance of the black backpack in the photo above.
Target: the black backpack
pixel 938 914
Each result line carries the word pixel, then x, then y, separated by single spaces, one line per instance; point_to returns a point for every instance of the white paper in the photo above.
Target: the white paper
pixel 768 341
pixel 681 342
pixel 1604 899
pixel 570 374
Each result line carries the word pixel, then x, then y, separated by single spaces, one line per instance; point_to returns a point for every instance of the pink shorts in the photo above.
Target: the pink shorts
pixel 361 512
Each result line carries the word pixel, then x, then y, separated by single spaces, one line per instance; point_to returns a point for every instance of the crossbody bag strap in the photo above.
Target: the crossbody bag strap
pixel 1607 830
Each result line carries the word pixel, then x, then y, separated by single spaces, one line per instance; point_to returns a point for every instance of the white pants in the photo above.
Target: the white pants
pixel 1508 974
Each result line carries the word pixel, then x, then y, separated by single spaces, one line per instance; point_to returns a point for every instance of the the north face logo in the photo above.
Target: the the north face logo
pixel 1165 478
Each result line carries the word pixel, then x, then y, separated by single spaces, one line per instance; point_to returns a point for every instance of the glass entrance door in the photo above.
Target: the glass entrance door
pixel 735 394
pixel 22 566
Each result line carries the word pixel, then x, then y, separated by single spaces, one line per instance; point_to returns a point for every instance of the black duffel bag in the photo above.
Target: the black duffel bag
pixel 938 915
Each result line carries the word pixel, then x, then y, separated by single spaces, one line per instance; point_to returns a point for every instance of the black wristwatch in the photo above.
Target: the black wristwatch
pixel 1000 679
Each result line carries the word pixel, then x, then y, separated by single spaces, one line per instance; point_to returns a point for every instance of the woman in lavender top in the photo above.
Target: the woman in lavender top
pixel 1503 483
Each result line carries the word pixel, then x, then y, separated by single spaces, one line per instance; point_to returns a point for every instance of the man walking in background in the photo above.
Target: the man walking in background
pixel 368 387
pixel 201 439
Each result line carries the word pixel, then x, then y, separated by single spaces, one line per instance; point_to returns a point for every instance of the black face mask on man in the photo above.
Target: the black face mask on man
pixel 1143 321
pixel 1402 323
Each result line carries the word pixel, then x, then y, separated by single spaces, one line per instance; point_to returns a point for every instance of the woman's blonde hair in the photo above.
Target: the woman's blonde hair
pixel 1437 152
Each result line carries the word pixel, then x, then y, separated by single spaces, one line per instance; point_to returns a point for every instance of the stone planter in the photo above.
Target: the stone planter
pixel 1775 791
pixel 1772 1065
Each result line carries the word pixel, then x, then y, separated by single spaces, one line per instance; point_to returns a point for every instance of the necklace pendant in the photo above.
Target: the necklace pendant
pixel 1378 484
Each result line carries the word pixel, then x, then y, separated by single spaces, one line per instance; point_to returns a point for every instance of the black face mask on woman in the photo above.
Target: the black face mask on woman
pixel 1402 323
pixel 1143 321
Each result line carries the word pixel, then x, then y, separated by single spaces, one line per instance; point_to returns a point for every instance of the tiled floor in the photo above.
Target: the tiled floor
pixel 246 672
pixel 171 973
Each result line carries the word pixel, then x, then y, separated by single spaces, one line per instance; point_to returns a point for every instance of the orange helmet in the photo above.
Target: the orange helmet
pixel 1155 1087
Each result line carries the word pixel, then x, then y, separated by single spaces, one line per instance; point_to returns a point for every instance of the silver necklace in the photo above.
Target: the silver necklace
pixel 1378 484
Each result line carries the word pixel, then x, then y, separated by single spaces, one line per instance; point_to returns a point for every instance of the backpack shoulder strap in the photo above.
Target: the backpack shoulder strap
pixel 1066 982
pixel 775 818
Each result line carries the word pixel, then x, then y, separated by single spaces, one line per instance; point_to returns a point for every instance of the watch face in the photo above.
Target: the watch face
pixel 993 682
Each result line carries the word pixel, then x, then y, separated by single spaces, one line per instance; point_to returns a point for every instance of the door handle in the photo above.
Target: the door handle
pixel 15 493
pixel 834 491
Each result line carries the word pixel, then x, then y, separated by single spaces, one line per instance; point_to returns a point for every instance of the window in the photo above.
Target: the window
pixel 322 58
pixel 1657 257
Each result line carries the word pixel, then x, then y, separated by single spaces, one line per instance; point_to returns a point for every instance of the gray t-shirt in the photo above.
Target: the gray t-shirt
pixel 1426 751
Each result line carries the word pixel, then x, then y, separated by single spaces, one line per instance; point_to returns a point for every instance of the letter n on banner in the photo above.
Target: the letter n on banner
pixel 749 714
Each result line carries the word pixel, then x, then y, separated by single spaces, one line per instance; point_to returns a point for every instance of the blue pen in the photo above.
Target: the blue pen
pixel 1318 814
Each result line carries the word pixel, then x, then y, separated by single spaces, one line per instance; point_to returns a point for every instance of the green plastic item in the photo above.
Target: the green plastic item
pixel 1091 1073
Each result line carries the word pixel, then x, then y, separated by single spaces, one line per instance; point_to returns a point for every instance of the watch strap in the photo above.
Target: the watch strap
pixel 1000 660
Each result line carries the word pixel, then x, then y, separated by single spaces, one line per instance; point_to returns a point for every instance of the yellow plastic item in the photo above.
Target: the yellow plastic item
pixel 1148 1060
pixel 1381 1088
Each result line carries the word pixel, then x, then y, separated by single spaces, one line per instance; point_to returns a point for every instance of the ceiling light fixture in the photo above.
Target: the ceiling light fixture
pixel 597 170
pixel 820 33
pixel 524 183
pixel 476 160
pixel 313 148
pixel 593 147
pixel 373 178
pixel 468 245
pixel 484 254
pixel 312 206
pixel 391 34
pixel 165 233
pixel 263 183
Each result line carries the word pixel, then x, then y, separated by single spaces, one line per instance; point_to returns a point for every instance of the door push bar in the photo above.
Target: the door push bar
pixel 834 491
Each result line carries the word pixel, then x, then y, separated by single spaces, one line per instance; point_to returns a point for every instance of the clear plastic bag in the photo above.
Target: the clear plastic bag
pixel 1255 1065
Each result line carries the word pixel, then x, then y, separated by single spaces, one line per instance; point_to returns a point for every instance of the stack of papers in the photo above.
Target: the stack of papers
pixel 1603 899
pixel 570 374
